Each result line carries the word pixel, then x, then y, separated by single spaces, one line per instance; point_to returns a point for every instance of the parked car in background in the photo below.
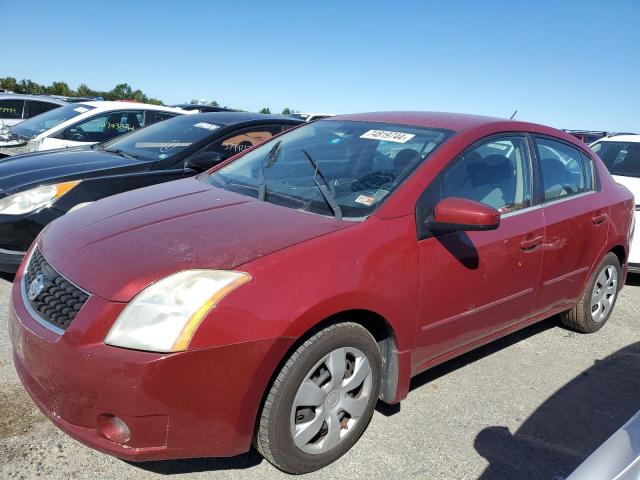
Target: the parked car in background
pixel 14 107
pixel 587 136
pixel 616 459
pixel 310 117
pixel 201 108
pixel 83 123
pixel 39 187
pixel 277 297
pixel 621 155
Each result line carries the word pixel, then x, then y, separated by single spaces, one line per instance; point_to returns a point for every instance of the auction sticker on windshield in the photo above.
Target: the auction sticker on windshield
pixel 388 136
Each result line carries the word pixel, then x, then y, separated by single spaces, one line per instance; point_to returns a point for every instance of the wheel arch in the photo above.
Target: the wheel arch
pixel 382 332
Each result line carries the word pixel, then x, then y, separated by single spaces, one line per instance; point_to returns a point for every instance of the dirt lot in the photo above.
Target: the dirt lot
pixel 531 406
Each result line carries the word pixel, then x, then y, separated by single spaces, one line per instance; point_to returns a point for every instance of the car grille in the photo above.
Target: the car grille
pixel 53 297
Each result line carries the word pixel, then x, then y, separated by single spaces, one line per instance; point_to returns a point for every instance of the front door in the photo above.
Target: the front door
pixel 477 283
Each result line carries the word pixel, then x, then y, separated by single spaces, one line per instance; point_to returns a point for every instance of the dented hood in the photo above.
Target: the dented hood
pixel 117 246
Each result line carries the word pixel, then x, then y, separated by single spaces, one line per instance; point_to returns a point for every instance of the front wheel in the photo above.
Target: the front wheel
pixel 598 299
pixel 321 400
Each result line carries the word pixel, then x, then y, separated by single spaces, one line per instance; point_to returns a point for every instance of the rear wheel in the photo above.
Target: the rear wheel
pixel 322 399
pixel 598 299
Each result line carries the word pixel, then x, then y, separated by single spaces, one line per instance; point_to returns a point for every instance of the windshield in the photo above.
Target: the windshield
pixel 48 120
pixel 164 139
pixel 353 166
pixel 621 158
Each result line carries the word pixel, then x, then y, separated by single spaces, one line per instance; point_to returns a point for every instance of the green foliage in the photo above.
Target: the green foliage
pixel 265 110
pixel 286 111
pixel 122 91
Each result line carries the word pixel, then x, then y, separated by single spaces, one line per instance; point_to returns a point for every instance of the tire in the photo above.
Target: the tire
pixel 322 404
pixel 581 317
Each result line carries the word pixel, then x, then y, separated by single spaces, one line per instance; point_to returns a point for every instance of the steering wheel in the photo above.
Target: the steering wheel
pixel 79 135
pixel 373 180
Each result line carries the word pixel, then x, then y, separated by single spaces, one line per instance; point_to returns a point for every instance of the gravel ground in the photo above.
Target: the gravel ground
pixel 531 406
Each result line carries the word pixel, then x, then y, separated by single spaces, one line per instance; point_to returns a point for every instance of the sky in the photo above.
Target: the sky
pixel 567 64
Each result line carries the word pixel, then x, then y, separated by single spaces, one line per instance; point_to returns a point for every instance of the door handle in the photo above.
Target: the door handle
pixel 531 243
pixel 598 219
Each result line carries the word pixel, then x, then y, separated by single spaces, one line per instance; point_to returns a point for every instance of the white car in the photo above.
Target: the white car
pixel 15 107
pixel 621 155
pixel 310 117
pixel 83 123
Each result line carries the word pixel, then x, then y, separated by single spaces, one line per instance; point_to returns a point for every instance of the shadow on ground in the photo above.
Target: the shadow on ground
pixel 633 279
pixel 569 426
pixel 7 276
pixel 194 465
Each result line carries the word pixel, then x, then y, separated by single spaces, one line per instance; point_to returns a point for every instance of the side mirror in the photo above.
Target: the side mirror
pixel 202 161
pixel 456 214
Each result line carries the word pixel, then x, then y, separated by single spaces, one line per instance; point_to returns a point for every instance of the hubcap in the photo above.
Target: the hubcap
pixel 331 400
pixel 604 293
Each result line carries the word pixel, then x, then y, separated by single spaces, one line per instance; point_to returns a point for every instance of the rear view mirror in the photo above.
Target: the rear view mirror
pixel 455 214
pixel 202 161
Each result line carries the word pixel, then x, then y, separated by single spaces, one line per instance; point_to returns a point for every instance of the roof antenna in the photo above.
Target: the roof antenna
pixel 514 114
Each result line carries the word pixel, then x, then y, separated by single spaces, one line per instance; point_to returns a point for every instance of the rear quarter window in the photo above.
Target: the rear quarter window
pixel 11 109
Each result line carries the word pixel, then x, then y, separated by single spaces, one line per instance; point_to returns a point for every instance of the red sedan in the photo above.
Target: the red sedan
pixel 276 298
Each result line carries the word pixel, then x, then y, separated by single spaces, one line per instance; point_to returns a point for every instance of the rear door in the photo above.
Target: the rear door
pixel 475 284
pixel 576 215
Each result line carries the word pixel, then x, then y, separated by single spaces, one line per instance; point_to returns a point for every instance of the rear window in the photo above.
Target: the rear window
pixel 621 158
pixel 11 109
pixel 36 107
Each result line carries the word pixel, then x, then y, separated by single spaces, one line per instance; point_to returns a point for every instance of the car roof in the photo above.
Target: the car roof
pixel 115 105
pixel 24 96
pixel 444 120
pixel 632 138
pixel 229 118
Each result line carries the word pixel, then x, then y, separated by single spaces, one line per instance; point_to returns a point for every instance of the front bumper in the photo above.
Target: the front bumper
pixel 18 232
pixel 10 260
pixel 181 405
pixel 13 148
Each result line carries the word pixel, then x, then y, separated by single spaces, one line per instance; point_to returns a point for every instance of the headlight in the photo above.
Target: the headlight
pixel 165 315
pixel 30 200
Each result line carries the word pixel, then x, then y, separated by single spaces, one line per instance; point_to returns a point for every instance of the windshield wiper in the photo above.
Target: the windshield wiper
pixel 324 189
pixel 269 160
pixel 122 153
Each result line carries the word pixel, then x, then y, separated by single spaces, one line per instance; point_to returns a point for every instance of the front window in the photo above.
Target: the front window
pixel 46 121
pixel 104 127
pixel 621 158
pixel 337 168
pixel 163 139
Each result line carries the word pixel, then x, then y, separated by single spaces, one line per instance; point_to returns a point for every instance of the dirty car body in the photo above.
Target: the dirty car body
pixel 435 233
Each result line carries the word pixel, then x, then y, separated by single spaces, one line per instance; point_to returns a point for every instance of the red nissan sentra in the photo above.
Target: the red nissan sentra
pixel 277 297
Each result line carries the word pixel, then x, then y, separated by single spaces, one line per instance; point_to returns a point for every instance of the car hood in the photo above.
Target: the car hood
pixel 119 245
pixel 26 171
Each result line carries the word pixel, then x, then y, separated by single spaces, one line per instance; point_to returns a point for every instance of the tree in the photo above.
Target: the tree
pixel 194 101
pixel 214 104
pixel 59 88
pixel 120 91
pixel 10 83
pixel 286 111
pixel 265 110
